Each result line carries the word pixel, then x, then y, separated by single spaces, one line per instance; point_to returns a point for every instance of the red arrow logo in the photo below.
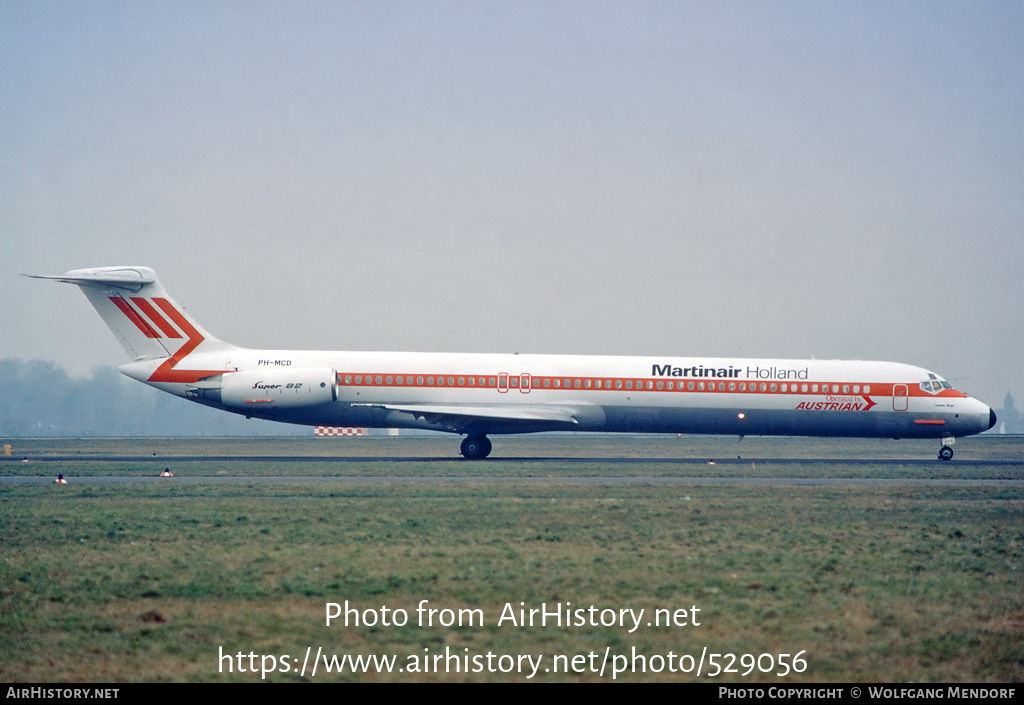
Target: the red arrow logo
pixel 167 372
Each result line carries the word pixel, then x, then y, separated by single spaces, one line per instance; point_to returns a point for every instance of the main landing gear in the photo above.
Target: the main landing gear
pixel 946 451
pixel 476 447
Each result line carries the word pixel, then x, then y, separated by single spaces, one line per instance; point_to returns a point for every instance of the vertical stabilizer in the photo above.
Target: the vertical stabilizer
pixel 147 322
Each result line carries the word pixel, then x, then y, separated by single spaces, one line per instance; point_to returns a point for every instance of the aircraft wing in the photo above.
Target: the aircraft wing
pixel 459 417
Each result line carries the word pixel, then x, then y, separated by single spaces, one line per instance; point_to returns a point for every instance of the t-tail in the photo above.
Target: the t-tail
pixel 155 332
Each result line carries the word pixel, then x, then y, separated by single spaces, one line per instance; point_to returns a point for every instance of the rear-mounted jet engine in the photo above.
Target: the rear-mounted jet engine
pixel 278 388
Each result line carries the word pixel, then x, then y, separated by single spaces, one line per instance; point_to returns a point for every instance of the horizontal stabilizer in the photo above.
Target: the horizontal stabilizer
pixel 130 278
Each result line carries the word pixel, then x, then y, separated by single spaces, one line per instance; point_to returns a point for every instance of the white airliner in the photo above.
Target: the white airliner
pixel 480 394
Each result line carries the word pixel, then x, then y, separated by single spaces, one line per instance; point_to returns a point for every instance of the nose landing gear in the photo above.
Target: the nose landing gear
pixel 476 447
pixel 946 451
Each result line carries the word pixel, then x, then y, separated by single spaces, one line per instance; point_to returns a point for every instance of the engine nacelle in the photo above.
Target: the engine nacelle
pixel 270 389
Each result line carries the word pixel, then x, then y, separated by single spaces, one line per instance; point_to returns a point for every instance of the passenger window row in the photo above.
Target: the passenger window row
pixel 624 384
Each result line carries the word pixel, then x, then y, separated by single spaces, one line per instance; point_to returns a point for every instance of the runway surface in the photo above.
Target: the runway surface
pixel 992 462
pixel 165 459
pixel 529 479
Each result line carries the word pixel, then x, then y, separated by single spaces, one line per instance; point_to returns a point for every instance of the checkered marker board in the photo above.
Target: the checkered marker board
pixel 338 431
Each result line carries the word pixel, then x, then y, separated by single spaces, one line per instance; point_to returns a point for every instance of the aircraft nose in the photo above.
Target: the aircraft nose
pixel 991 418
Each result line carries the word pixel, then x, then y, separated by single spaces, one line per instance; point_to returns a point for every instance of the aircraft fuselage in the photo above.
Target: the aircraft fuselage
pixel 481 394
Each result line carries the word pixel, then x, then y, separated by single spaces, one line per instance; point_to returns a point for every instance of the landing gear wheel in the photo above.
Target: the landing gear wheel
pixel 945 453
pixel 476 447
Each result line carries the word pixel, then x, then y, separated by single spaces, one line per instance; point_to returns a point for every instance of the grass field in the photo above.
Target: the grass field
pixel 150 582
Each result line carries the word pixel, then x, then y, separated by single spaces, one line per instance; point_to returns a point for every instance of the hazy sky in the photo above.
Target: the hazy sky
pixel 757 179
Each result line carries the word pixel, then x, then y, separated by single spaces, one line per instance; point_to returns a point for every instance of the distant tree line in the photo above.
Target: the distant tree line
pixel 39 398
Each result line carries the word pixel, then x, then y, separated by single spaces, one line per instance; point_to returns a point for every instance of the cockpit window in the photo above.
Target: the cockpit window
pixel 936 386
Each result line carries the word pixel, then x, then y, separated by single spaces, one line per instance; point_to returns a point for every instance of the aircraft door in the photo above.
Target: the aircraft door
pixel 900 393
